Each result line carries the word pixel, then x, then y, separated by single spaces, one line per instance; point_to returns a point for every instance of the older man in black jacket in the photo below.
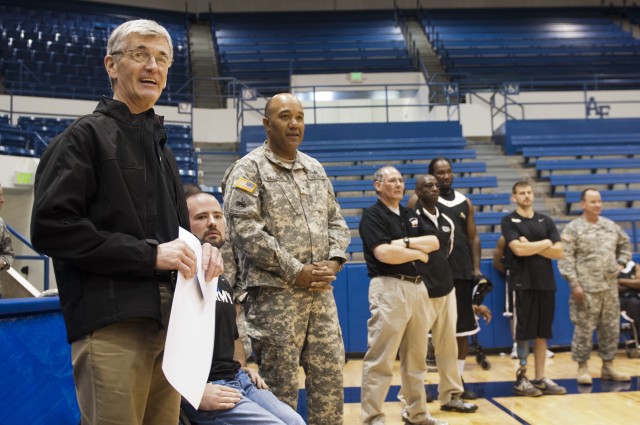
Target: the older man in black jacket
pixel 108 204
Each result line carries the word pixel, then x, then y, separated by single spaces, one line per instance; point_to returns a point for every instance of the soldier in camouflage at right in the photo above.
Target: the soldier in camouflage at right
pixel 6 251
pixel 596 249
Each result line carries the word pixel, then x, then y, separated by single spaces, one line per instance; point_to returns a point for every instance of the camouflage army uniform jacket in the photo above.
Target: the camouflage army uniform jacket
pixel 592 253
pixel 6 251
pixel 280 216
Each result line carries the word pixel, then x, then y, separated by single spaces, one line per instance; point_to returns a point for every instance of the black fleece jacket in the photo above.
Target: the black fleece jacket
pixel 99 214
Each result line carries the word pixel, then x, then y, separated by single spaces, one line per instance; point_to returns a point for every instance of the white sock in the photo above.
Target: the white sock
pixel 460 366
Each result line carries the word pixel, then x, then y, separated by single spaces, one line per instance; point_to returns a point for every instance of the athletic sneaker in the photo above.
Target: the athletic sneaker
pixel 523 387
pixel 548 387
pixel 429 420
pixel 459 405
pixel 467 394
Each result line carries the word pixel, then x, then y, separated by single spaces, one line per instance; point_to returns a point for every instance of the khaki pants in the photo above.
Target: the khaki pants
pixel 399 322
pixel 443 318
pixel 118 373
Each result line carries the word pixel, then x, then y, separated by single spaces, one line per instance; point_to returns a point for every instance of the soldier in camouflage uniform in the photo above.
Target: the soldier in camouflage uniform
pixel 286 228
pixel 6 251
pixel 596 249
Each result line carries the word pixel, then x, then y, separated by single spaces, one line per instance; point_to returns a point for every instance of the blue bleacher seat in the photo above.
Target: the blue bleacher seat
pixel 264 49
pixel 606 179
pixel 472 183
pixel 627 196
pixel 484 48
pixel 413 169
pixel 72 44
pixel 628 151
pixel 593 165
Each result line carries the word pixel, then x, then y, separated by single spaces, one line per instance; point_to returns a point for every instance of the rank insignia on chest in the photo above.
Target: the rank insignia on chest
pixel 246 185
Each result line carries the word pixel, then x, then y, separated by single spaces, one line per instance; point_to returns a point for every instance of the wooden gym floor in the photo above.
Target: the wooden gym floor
pixel 603 403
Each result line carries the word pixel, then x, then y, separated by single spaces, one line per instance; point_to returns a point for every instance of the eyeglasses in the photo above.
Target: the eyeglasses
pixel 141 55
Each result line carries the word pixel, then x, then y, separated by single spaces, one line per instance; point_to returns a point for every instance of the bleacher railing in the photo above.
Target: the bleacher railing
pixel 597 98
pixel 417 99
pixel 36 257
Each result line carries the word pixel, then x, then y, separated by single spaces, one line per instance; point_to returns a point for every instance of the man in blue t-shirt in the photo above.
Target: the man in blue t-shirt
pixel 235 394
pixel 532 240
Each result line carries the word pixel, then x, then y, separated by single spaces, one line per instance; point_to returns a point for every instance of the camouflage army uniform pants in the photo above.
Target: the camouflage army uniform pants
pixel 599 311
pixel 315 343
pixel 241 323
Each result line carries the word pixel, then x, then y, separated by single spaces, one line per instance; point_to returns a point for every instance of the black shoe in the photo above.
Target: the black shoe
pixel 431 354
pixel 468 394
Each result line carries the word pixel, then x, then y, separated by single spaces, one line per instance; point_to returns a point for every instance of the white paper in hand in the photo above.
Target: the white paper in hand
pixel 189 347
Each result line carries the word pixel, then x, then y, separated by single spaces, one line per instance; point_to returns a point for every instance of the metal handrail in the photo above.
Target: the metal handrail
pixel 587 86
pixel 433 86
pixel 38 256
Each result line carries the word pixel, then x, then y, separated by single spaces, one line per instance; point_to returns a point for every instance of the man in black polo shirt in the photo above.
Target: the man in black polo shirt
pixel 396 246
pixel 533 240
pixel 442 297
pixel 464 259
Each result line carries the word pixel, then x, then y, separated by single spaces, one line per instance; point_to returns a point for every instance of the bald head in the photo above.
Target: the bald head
pixel 284 125
pixel 427 191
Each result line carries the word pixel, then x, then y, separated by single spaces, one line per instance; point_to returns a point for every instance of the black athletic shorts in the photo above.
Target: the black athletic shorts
pixel 534 314
pixel 467 324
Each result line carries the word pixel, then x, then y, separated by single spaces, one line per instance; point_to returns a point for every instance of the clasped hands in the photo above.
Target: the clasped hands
pixel 318 276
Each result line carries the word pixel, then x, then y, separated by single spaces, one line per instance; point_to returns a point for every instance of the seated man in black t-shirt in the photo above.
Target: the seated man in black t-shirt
pixel 234 394
pixel 629 291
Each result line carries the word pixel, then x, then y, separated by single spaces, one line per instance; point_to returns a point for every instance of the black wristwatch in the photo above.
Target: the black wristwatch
pixel 406 241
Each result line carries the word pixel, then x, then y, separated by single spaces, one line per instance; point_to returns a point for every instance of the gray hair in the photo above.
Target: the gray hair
pixel 378 176
pixel 117 38
pixel 139 26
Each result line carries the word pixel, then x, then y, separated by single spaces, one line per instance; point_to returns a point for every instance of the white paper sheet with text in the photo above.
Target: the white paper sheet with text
pixel 189 347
